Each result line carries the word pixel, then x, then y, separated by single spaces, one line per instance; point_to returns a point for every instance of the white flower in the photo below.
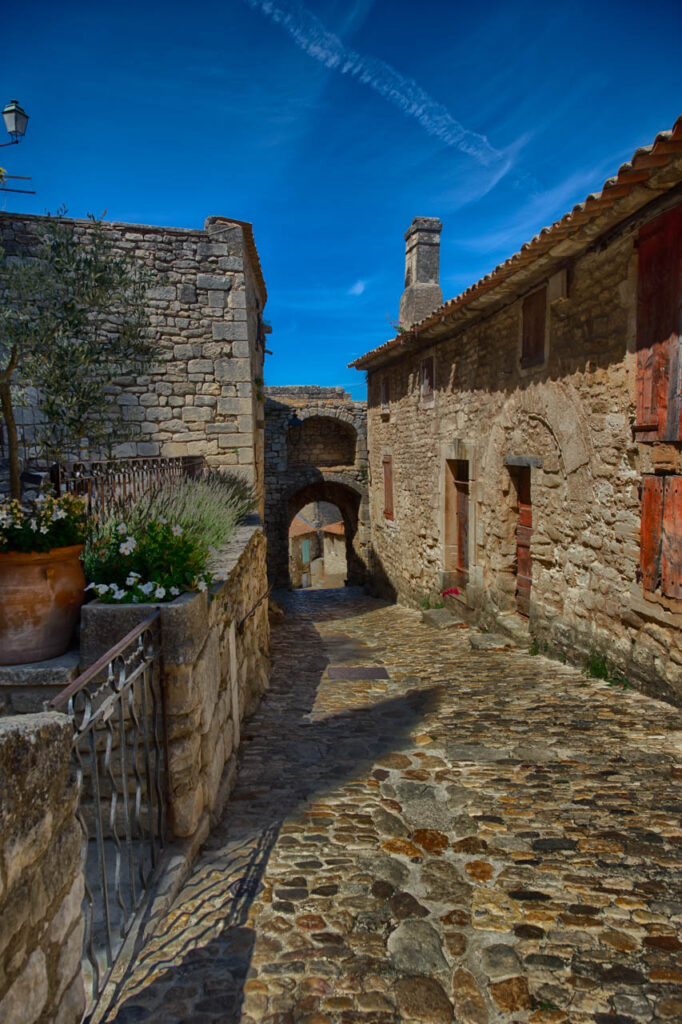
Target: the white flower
pixel 162 520
pixel 176 531
pixel 90 586
pixel 201 585
pixel 117 594
pixel 218 577
pixel 43 529
pixel 174 591
pixel 33 524
pixel 59 513
pixel 128 546
pixel 102 588
pixel 121 528
pixel 146 588
pixel 160 592
pixel 132 578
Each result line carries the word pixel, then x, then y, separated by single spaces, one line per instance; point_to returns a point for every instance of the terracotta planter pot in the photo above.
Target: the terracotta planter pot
pixel 40 598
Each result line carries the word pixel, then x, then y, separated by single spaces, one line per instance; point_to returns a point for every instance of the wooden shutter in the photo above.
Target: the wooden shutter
pixel 427 378
pixel 388 487
pixel 524 532
pixel 659 326
pixel 671 539
pixel 534 313
pixel 650 535
pixel 462 488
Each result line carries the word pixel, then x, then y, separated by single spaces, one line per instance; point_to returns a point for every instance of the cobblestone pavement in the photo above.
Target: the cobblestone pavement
pixel 424 832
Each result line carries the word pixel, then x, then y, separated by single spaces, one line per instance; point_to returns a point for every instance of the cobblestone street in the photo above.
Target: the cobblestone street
pixel 424 832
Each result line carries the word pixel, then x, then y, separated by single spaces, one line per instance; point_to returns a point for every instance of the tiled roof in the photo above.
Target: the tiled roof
pixel 299 527
pixel 336 528
pixel 643 178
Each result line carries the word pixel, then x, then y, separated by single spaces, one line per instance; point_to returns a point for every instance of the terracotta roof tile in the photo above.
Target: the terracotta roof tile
pixel 299 527
pixel 336 528
pixel 636 174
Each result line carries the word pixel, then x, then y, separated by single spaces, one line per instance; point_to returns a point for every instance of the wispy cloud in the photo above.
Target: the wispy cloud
pixel 357 288
pixel 313 38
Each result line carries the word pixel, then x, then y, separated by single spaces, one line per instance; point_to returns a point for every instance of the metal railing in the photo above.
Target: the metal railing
pixel 119 757
pixel 106 481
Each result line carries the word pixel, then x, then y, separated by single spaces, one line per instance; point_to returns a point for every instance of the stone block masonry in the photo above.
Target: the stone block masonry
pixel 215 669
pixel 41 881
pixel 202 395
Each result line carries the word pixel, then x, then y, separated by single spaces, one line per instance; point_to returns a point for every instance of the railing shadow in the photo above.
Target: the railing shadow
pixel 199 958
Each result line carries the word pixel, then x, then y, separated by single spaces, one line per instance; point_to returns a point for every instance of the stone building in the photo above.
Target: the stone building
pixel 315 451
pixel 204 395
pixel 525 436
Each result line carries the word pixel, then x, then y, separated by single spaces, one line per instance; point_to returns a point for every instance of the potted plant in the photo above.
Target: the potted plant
pixel 41 579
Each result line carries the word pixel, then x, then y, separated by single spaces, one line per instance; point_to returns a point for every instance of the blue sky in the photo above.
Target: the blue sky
pixel 329 125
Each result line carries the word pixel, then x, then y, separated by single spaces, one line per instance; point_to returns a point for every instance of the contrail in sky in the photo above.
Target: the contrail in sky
pixel 312 37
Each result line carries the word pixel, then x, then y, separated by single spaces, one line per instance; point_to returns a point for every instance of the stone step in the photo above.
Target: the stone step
pixel 491 642
pixel 441 618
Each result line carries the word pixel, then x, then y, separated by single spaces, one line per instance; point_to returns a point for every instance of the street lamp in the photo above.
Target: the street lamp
pixel 295 426
pixel 16 119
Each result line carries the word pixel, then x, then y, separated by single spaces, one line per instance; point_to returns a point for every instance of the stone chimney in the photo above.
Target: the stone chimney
pixel 422 293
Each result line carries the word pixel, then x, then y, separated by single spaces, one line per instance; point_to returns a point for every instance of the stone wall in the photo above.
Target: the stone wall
pixel 41 881
pixel 570 419
pixel 203 396
pixel 215 669
pixel 333 427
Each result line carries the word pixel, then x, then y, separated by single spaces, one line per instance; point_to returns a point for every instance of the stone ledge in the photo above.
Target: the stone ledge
pixel 24 689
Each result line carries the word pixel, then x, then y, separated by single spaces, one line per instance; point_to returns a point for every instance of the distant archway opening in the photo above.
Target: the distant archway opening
pixel 321 441
pixel 333 543
pixel 317 547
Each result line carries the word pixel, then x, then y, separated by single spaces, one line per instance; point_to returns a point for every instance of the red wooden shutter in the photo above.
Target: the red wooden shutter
pixel 388 487
pixel 462 488
pixel 650 537
pixel 671 540
pixel 534 312
pixel 659 326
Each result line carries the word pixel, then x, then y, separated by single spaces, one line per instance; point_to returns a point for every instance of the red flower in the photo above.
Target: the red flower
pixel 452 590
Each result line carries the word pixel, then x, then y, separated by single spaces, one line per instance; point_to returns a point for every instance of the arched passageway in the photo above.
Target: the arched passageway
pixel 348 499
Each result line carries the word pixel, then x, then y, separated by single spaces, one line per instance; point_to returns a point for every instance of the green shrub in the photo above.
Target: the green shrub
pixel 163 540
pixel 600 667
pixel 46 523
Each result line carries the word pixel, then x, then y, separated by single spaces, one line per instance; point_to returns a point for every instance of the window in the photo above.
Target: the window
pixel 388 487
pixel 385 393
pixel 427 380
pixel 534 316
pixel 659 316
pixel 661 535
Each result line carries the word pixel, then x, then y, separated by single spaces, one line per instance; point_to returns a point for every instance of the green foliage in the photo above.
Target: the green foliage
pixel 156 563
pixel 363 473
pixel 600 667
pixel 175 529
pixel 534 648
pixel 73 319
pixel 425 603
pixel 438 604
pixel 47 523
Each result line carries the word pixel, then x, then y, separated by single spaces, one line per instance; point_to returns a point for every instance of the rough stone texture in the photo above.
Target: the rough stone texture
pixel 422 292
pixel 203 396
pixel 327 464
pixel 214 671
pixel 570 420
pixel 41 881
pixel 322 868
pixel 25 688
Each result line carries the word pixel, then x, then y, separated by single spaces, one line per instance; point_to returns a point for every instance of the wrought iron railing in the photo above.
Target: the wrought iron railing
pixel 105 481
pixel 119 757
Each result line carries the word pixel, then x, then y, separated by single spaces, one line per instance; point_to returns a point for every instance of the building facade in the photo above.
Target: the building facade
pixel 525 437
pixel 204 394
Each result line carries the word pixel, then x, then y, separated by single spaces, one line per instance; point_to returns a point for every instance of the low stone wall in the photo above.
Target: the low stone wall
pixel 215 668
pixel 41 881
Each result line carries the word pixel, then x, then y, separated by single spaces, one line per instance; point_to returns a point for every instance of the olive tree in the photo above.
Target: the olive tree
pixel 73 319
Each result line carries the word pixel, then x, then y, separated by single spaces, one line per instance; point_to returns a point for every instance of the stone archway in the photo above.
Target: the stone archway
pixel 546 424
pixel 327 462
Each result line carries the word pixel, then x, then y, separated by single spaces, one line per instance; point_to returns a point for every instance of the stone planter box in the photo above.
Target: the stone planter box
pixel 214 667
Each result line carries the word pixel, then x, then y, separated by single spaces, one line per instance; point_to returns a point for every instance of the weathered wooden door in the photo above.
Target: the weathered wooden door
pixel 524 530
pixel 462 488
